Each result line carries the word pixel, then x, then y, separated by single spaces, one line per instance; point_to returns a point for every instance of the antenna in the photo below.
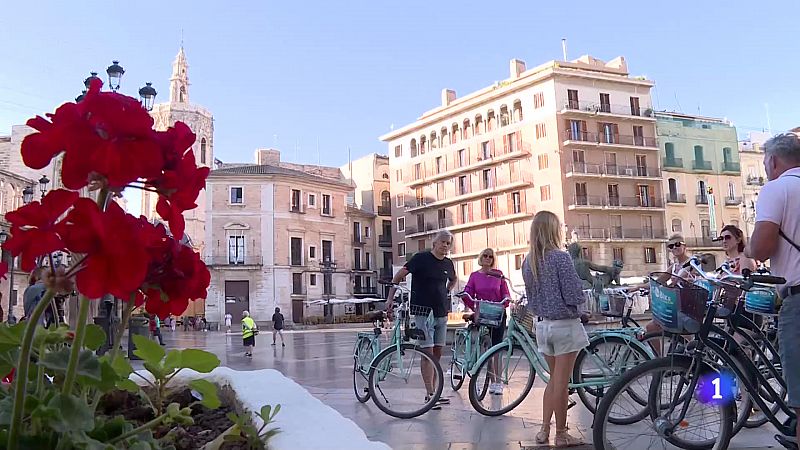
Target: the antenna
pixel 564 47
pixel 677 102
pixel 318 162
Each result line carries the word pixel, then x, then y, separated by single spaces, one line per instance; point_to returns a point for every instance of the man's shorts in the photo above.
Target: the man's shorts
pixel 788 339
pixel 559 337
pixel 435 329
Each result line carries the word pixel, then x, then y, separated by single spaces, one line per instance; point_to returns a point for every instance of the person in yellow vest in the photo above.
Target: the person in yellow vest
pixel 249 332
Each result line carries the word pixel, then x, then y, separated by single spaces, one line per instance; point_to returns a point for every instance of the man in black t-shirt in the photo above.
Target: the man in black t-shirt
pixel 433 277
pixel 277 326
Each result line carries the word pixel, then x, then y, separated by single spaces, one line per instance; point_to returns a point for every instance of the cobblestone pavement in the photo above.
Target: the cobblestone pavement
pixel 321 361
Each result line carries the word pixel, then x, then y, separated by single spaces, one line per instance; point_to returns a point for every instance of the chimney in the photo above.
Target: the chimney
pixel 517 67
pixel 268 156
pixel 448 96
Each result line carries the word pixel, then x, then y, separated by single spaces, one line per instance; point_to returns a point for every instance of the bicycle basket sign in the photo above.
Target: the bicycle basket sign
pixel 490 313
pixel 761 301
pixel 664 304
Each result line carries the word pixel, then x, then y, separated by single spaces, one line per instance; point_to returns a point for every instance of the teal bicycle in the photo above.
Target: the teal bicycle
pixel 470 342
pixel 402 379
pixel 518 360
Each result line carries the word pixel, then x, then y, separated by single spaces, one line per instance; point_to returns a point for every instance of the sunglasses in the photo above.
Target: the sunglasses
pixel 726 237
pixel 487 256
pixel 675 245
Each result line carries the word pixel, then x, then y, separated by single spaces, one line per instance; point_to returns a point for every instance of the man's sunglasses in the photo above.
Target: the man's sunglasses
pixel 675 245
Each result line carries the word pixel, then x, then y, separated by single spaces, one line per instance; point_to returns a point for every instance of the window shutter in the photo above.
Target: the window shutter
pixel 522 197
pixel 518 136
pixel 505 143
pixel 616 130
pixel 583 126
pixel 491 147
pixel 469 207
pixel 510 203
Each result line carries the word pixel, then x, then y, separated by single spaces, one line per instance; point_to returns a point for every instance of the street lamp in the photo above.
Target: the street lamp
pixel 43 182
pixel 88 82
pixel 79 98
pixel 27 195
pixel 148 96
pixel 115 72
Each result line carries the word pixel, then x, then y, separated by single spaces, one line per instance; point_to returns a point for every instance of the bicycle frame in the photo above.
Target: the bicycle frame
pixel 518 334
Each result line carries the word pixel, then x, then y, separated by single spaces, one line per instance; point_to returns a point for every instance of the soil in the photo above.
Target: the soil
pixel 208 423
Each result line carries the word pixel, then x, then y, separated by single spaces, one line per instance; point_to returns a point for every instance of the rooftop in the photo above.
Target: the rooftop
pixel 268 169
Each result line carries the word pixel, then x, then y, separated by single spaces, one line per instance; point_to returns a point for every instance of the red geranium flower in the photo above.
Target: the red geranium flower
pixel 106 136
pixel 115 262
pixel 178 191
pixel 34 230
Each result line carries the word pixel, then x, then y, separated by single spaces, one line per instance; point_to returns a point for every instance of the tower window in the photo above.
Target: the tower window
pixel 203 151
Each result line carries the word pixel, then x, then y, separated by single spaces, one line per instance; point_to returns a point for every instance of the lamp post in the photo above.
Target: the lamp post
pixel 43 182
pixel 11 298
pixel 27 195
pixel 147 93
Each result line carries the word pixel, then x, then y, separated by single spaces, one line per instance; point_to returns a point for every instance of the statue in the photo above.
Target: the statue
pixel 607 275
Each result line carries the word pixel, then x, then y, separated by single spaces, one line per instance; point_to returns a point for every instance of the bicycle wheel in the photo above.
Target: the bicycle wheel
pixel 654 379
pixel 361 361
pixel 396 382
pixel 670 342
pixel 516 374
pixel 605 359
pixel 456 369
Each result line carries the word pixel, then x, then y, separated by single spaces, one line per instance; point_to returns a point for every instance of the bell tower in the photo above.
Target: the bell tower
pixel 179 82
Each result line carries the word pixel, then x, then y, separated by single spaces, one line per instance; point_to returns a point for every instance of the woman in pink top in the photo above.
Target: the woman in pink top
pixel 489 288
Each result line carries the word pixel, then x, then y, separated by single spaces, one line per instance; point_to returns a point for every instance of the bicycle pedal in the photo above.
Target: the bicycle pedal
pixel 458 377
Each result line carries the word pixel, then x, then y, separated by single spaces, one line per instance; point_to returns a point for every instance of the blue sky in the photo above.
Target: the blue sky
pixel 293 73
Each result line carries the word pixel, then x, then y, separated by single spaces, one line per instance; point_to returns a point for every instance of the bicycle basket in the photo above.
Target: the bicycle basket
pixel 678 305
pixel 522 316
pixel 761 300
pixel 490 313
pixel 728 296
pixel 612 304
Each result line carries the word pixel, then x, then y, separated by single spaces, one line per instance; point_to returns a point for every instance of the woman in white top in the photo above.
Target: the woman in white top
pixel 228 320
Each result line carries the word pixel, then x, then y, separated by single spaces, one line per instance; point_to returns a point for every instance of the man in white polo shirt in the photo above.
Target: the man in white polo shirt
pixel 776 238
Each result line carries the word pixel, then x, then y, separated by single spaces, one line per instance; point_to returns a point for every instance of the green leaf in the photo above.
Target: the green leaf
pixel 108 378
pixel 147 349
pixel 11 336
pixel 173 360
pixel 75 414
pixel 108 429
pixel 128 385
pixel 208 391
pixel 88 363
pixel 94 337
pixel 157 370
pixel 122 366
pixel 199 360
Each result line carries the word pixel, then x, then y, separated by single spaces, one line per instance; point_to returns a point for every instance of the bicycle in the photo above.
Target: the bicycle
pixel 368 344
pixel 711 354
pixel 519 351
pixel 471 341
pixel 398 362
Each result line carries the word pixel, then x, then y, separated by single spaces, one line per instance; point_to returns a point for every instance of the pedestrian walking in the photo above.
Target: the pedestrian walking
pixel 155 328
pixel 776 237
pixel 555 296
pixel 185 322
pixel 173 322
pixel 277 326
pixel 228 321
pixel 433 277
pixel 249 332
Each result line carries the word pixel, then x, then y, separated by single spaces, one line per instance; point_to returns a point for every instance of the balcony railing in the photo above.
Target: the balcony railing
pixel 673 162
pixel 365 290
pixel 358 240
pixel 385 210
pixel 731 166
pixel 594 107
pixel 386 272
pixel 614 170
pixel 755 181
pixel 701 199
pixel 701 165
pixel 616 202
pixel 676 198
pixel 704 241
pixel 222 260
pixel 620 233
pixel 300 209
pixel 357 265
pixel 733 201
pixel 612 139
pixel 385 240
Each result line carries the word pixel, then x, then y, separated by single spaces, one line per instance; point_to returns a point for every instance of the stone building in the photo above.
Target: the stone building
pixel 369 176
pixel 701 176
pixel 754 176
pixel 11 187
pixel 285 235
pixel 573 137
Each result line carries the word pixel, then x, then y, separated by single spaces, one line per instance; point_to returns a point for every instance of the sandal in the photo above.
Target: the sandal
pixel 543 436
pixel 564 439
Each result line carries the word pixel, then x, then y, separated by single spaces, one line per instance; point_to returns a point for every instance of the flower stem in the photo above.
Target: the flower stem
pixel 136 431
pixel 77 345
pixel 21 374
pixel 126 315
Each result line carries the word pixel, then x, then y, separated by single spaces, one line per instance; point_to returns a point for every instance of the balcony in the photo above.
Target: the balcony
pixel 358 240
pixel 733 201
pixel 673 162
pixel 731 166
pixel 608 139
pixel 606 108
pixel 701 199
pixel 299 209
pixel 517 181
pixel 597 201
pixel 619 233
pixel 359 267
pixel 701 242
pixel 223 260
pixel 385 240
pixel 365 290
pixel 592 233
pixel 386 273
pixel 755 181
pixel 385 210
pixel 612 170
pixel 701 165
pixel 676 198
